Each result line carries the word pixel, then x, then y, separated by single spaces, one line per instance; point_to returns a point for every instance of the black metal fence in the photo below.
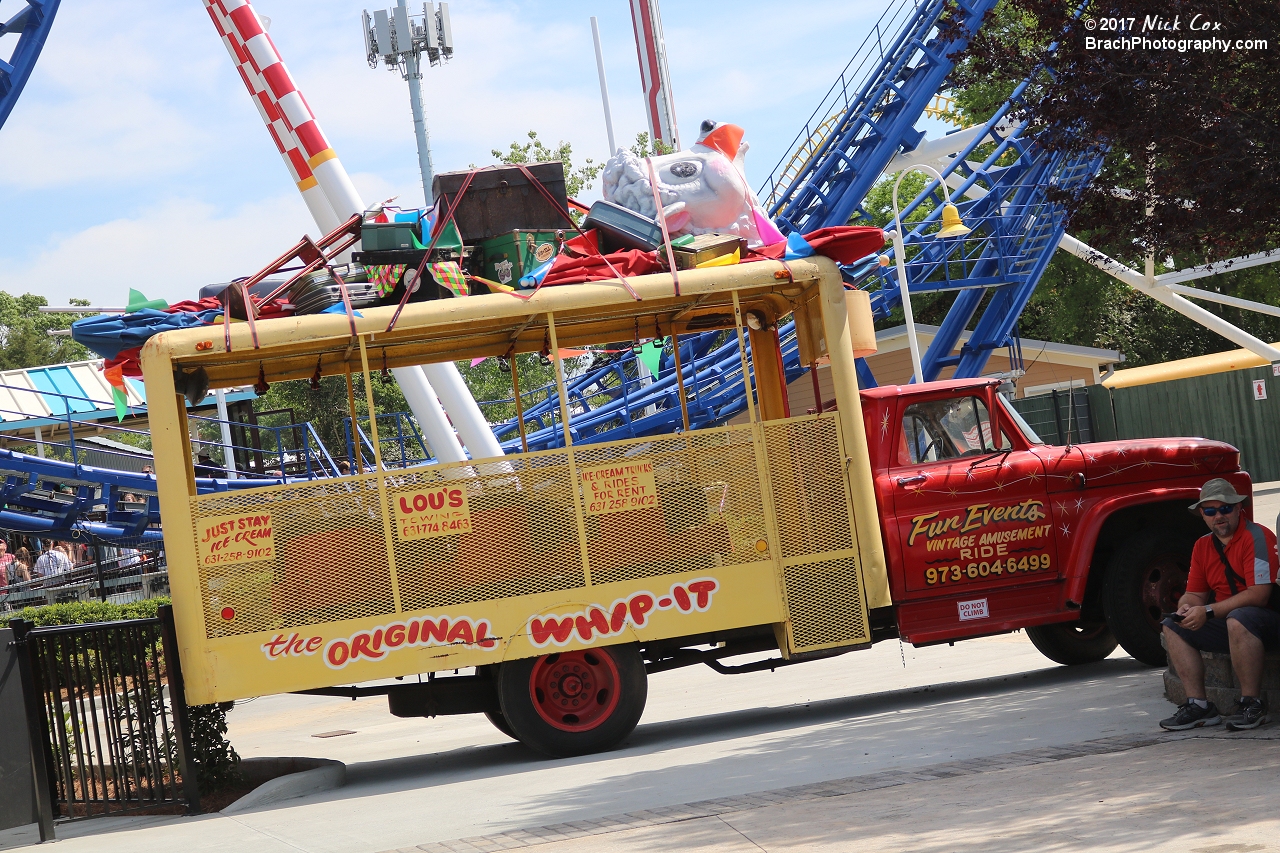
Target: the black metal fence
pixel 105 710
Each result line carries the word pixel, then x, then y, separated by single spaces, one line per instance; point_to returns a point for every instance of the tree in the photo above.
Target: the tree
pixel 645 147
pixel 1191 130
pixel 24 338
pixel 536 151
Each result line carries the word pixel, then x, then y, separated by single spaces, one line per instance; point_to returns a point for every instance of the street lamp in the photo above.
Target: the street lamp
pixel 952 226
pixel 400 40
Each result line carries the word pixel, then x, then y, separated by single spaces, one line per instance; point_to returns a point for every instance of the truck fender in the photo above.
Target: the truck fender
pixel 1080 557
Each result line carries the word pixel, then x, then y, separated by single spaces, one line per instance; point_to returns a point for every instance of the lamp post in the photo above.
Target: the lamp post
pixel 951 227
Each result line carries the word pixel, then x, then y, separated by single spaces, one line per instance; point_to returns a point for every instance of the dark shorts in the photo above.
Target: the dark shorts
pixel 1262 622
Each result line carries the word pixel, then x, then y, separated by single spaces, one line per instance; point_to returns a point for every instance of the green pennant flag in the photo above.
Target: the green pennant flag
pixel 137 302
pixel 122 403
pixel 651 355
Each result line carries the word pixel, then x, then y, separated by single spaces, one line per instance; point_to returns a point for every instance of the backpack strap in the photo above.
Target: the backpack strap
pixel 1234 581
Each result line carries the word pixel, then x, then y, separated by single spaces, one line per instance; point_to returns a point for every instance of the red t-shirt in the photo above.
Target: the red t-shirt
pixel 1254 562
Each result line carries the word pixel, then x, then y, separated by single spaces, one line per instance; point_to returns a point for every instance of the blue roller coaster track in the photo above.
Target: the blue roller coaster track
pixel 31 26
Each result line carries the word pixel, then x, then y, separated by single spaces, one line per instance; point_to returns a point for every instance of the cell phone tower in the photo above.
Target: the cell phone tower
pixel 401 40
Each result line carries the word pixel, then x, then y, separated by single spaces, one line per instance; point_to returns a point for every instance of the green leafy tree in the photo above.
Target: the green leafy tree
pixel 645 147
pixel 24 338
pixel 537 151
pixel 327 408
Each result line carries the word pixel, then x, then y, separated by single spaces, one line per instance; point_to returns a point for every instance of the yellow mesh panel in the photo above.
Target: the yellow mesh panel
pixel 687 502
pixel 806 472
pixel 811 504
pixel 523 537
pixel 708 512
pixel 330 558
pixel 825 604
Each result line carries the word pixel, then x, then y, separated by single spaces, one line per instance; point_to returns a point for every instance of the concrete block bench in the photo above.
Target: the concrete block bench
pixel 1221 686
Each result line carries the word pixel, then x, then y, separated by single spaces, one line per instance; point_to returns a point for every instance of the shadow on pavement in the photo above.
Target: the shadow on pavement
pixel 472 763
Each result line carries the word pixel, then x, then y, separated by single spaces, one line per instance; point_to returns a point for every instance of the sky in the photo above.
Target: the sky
pixel 134 157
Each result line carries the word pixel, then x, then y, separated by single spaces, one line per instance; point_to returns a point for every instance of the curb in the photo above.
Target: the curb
pixel 286 779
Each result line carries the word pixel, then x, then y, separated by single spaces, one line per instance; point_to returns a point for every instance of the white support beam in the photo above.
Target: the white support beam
pixel 1220 267
pixel 1163 295
pixel 1210 296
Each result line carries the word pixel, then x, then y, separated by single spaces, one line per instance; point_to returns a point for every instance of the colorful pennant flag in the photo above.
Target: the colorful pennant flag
pixel 119 396
pixel 137 302
pixel 449 274
pixel 651 355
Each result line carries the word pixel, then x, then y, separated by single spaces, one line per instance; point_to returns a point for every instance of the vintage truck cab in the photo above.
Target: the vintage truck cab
pixel 987 528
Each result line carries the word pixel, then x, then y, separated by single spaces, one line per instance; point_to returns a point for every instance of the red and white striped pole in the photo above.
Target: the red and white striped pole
pixel 314 197
pixel 293 109
pixel 659 105
pixel 307 154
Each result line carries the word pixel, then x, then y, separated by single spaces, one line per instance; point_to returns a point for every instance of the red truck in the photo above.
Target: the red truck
pixel 1103 541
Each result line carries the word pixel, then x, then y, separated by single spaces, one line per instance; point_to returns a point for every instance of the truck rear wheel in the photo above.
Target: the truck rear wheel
pixel 574 703
pixel 1073 642
pixel 1145 578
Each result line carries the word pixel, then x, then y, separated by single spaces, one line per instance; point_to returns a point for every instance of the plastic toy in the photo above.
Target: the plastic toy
pixel 703 190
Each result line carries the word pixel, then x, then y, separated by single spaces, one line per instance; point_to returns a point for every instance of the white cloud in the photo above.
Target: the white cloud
pixel 168 252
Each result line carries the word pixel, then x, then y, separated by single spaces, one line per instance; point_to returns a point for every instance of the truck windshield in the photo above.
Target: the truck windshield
pixel 1017 418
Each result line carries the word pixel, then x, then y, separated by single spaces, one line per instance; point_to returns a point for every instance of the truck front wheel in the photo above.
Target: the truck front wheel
pixel 1073 642
pixel 574 703
pixel 1145 578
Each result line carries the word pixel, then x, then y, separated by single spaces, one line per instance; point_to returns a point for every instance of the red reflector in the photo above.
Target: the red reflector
pixel 228 613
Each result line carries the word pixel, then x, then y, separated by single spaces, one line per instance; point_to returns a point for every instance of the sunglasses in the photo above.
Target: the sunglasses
pixel 1211 511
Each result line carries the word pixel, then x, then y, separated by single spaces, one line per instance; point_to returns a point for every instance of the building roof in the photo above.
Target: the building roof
pixel 890 340
pixel 46 396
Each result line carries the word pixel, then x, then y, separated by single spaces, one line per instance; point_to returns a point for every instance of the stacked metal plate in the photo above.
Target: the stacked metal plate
pixel 316 291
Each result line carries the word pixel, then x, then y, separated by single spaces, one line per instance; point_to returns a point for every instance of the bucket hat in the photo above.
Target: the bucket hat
pixel 1217 489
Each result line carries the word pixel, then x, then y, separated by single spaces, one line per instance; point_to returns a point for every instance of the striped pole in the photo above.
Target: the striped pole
pixel 659 105
pixel 307 154
pixel 286 143
pixel 295 113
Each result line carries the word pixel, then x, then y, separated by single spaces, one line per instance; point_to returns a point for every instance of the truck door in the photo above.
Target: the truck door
pixel 972 508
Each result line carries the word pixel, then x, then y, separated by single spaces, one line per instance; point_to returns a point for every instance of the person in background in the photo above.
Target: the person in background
pixel 52 563
pixel 147 469
pixel 6 560
pixel 20 568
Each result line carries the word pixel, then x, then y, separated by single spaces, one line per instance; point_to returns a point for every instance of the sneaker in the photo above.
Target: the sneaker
pixel 1192 716
pixel 1249 714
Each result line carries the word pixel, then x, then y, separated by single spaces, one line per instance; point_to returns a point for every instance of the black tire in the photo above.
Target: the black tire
pixel 1145 578
pixel 500 723
pixel 495 715
pixel 610 684
pixel 1073 643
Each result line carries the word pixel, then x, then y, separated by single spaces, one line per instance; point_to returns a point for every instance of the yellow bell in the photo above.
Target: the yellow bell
pixel 951 224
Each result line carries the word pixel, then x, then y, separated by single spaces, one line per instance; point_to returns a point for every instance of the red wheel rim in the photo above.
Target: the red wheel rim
pixel 1163 585
pixel 575 691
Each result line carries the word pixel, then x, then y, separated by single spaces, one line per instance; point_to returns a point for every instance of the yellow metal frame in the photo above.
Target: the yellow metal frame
pixel 400 571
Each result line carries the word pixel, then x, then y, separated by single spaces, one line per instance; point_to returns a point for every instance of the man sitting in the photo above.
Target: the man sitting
pixel 1224 610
